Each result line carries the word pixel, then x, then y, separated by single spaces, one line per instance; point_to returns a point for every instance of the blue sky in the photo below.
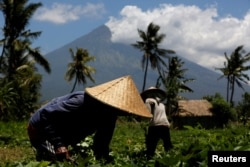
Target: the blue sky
pixel 199 30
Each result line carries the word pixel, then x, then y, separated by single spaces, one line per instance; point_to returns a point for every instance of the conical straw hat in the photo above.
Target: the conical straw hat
pixel 122 94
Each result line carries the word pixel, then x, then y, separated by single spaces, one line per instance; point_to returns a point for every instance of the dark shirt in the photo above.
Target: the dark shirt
pixel 68 119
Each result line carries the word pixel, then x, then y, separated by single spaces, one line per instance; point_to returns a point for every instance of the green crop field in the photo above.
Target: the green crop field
pixel 190 146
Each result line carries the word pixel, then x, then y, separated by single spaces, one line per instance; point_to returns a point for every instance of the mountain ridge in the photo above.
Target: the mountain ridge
pixel 115 60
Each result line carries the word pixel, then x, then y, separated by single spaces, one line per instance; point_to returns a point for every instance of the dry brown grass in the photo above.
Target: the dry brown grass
pixel 14 154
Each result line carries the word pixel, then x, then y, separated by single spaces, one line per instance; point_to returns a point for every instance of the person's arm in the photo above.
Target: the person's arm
pixel 150 103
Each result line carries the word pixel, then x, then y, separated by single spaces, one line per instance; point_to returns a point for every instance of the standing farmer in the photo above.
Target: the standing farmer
pixel 69 119
pixel 159 124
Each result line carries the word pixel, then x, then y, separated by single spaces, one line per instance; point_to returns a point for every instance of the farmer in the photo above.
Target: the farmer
pixel 159 124
pixel 69 119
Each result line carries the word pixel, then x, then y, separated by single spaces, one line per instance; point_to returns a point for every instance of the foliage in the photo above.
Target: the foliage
pixel 21 94
pixel 221 109
pixel 193 150
pixel 174 82
pixel 243 108
pixel 14 144
pixel 7 102
pixel 127 147
pixel 17 40
pixel 151 52
pixel 234 69
pixel 20 82
pixel 79 69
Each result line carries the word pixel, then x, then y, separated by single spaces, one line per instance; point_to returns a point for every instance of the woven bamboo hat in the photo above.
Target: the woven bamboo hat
pixel 122 94
pixel 153 92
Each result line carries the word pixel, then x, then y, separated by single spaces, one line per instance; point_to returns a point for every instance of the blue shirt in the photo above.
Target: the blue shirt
pixel 68 119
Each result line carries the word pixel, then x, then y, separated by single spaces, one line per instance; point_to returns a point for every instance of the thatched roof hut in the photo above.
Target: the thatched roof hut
pixel 193 112
pixel 194 108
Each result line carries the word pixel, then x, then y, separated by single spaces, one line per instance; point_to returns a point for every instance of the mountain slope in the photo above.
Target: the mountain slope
pixel 114 60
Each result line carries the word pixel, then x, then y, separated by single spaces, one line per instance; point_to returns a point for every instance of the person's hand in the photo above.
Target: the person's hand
pixel 62 153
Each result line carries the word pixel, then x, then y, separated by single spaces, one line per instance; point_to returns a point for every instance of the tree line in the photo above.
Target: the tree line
pixel 20 81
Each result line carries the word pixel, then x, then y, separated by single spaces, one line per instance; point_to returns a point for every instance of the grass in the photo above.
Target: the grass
pixel 14 143
pixel 190 146
pixel 12 154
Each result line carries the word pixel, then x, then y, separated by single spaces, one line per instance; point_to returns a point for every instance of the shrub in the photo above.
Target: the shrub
pixel 244 108
pixel 222 110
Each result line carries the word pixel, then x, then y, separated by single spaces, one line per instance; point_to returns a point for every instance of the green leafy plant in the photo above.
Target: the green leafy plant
pixel 191 146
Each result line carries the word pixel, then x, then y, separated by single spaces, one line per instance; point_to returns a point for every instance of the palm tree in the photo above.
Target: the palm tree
pixel 152 53
pixel 27 78
pixel 20 95
pixel 234 69
pixel 79 68
pixel 18 58
pixel 27 85
pixel 238 61
pixel 17 38
pixel 226 70
pixel 174 82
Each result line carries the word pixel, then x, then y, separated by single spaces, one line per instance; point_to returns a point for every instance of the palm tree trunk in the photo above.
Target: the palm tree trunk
pixel 228 82
pixel 232 92
pixel 145 73
pixel 74 85
pixel 2 55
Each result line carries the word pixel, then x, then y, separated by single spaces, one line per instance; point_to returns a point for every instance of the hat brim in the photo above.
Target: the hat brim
pixel 155 92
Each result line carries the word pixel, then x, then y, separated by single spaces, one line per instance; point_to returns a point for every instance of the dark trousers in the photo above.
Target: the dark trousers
pixel 155 133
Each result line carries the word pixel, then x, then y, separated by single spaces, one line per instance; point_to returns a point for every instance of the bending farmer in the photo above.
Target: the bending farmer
pixel 69 119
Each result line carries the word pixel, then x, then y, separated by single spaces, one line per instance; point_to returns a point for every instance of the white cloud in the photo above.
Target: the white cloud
pixel 62 13
pixel 198 35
